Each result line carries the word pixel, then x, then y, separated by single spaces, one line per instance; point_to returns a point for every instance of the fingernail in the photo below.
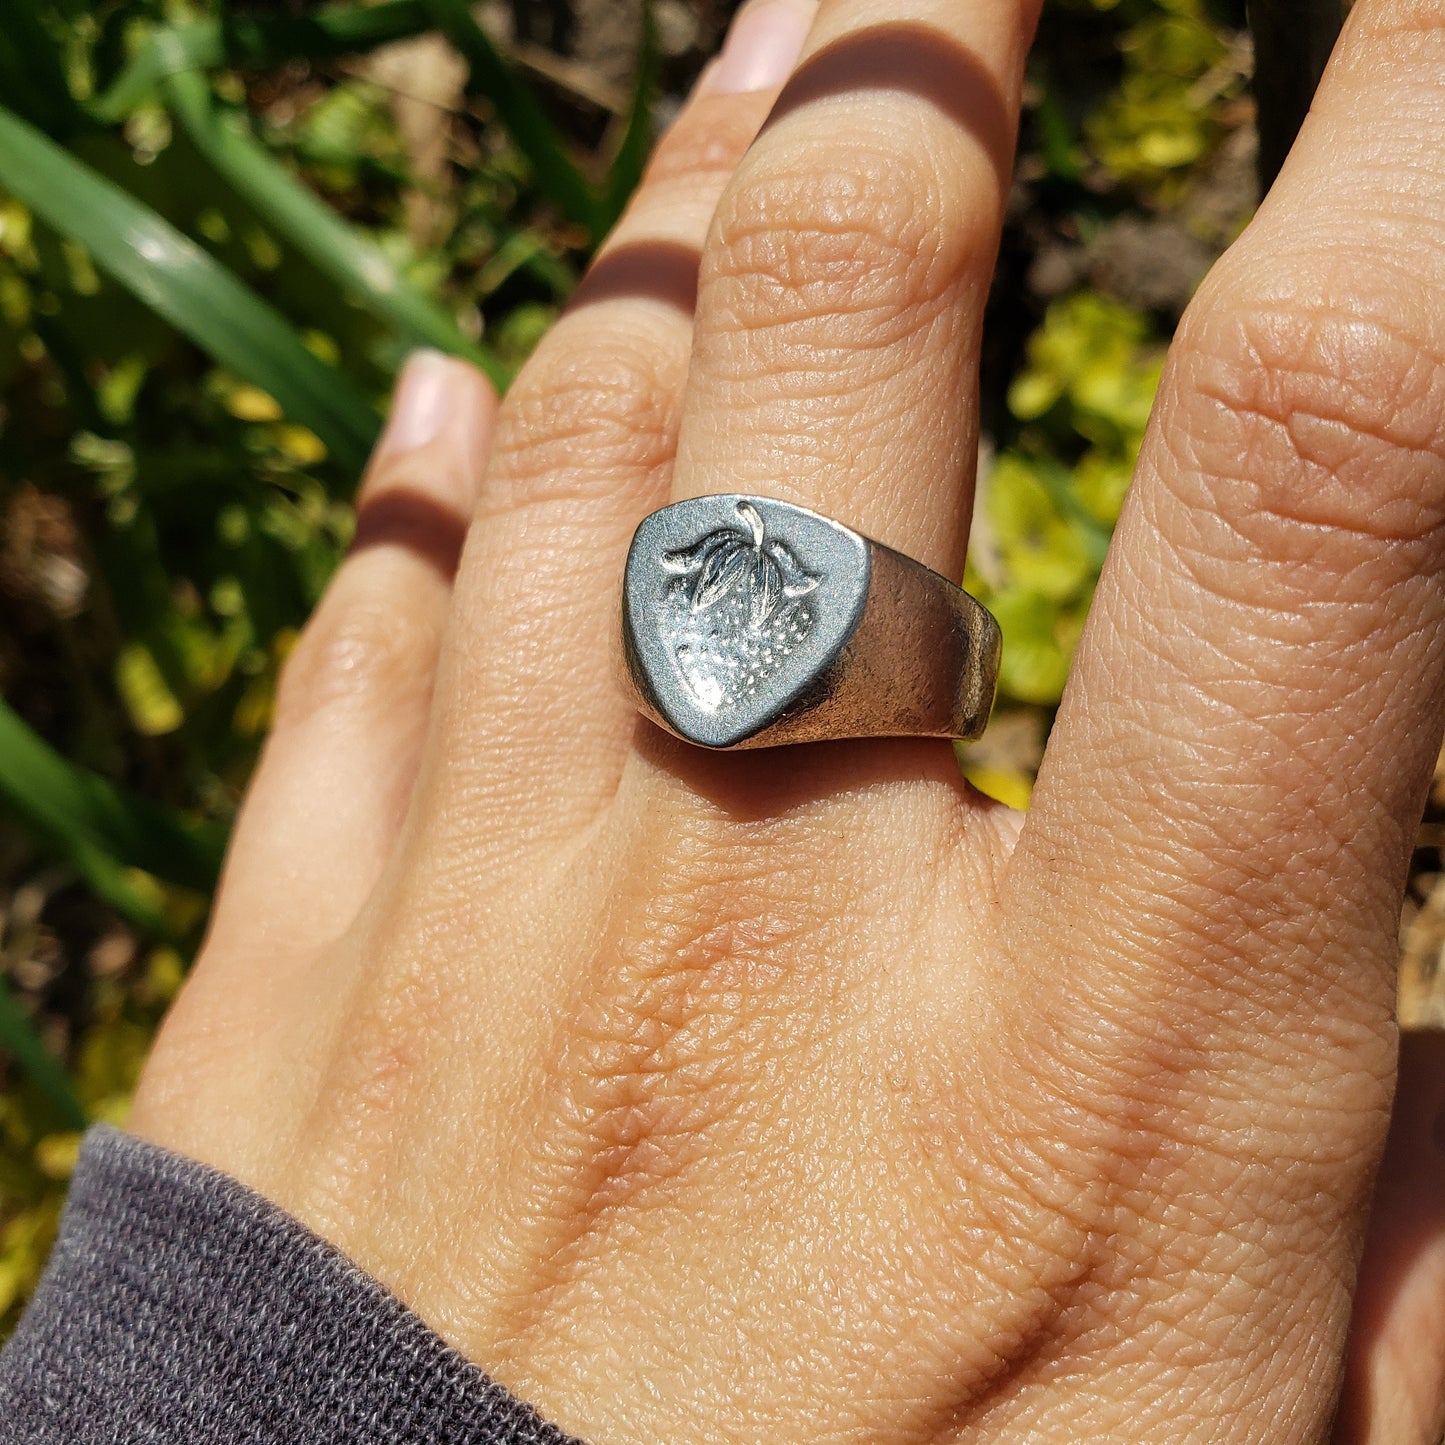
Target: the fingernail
pixel 762 46
pixel 423 400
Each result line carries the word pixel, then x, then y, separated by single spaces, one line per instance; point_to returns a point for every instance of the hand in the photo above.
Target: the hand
pixel 804 1094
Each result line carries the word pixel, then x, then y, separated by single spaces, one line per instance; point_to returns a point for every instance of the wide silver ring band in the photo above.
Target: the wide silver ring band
pixel 749 622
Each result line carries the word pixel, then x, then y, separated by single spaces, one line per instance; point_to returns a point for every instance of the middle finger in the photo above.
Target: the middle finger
pixel 835 355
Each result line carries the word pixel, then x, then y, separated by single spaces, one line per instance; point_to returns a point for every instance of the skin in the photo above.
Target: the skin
pixel 807 1094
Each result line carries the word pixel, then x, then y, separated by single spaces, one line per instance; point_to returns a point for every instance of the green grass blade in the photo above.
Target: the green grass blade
pixel 526 251
pixel 335 248
pixel 185 285
pixel 519 111
pixel 19 1039
pixel 631 158
pixel 75 808
pixel 124 890
pixel 258 40
pixel 182 47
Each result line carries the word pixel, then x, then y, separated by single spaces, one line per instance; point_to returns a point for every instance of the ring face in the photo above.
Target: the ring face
pixel 734 608
pixel 749 622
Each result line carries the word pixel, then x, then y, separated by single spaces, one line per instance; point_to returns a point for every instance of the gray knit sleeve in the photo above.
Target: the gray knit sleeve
pixel 181 1308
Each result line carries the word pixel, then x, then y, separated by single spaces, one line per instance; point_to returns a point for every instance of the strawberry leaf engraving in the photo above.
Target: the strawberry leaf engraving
pixel 796 582
pixel 765 586
pixel 722 569
pixel 730 558
pixel 686 560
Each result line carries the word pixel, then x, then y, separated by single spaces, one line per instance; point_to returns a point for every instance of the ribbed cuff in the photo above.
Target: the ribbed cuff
pixel 181 1308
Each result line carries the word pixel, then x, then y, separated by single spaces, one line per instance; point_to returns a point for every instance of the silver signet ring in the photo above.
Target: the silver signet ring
pixel 748 622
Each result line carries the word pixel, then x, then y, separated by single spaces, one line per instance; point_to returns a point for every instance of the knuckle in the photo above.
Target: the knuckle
pixel 1316 415
pixel 692 999
pixel 803 238
pixel 358 651
pixel 580 413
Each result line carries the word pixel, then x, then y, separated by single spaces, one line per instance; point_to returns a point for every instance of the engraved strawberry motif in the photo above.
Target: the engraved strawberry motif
pixel 737 607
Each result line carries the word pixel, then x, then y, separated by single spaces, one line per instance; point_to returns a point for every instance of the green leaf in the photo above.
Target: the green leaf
pixel 631 158
pixel 83 815
pixel 519 111
pixel 334 247
pixel 257 40
pixel 185 285
pixel 19 1039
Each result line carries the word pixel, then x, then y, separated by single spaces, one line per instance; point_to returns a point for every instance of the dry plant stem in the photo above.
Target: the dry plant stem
pixel 427 85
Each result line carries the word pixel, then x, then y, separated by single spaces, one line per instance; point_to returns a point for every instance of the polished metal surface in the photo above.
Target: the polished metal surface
pixel 749 622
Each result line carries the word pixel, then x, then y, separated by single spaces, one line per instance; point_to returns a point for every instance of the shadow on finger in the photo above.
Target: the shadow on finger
pixel 754 784
pixel 415 522
pixel 654 270
pixel 918 59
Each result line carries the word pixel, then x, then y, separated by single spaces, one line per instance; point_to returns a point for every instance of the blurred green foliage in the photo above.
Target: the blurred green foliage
pixel 217 242
pixel 1050 500
pixel 1162 118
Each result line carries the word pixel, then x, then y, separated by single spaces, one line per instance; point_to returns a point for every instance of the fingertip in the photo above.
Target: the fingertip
pixel 762 47
pixel 438 400
pixel 419 403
